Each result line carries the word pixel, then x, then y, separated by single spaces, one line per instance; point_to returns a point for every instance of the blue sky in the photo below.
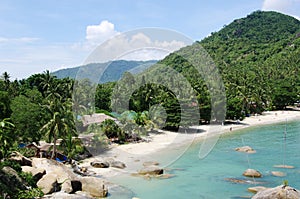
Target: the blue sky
pixel 39 35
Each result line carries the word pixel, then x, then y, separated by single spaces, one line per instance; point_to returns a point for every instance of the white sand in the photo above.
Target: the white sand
pixel 135 154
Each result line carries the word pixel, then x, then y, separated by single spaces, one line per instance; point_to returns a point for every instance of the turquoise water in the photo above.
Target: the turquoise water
pixel 205 178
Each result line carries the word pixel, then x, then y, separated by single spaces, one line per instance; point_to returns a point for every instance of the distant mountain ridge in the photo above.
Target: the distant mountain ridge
pixel 113 72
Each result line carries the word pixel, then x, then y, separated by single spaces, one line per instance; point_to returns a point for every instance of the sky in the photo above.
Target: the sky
pixel 49 35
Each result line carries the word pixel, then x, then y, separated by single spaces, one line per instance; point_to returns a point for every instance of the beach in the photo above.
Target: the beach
pixel 166 147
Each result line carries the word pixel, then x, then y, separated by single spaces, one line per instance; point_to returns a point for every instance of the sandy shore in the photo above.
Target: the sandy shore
pixel 175 144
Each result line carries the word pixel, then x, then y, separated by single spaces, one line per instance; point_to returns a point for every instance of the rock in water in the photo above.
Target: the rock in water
pixel 100 164
pixel 117 164
pixel 278 173
pixel 252 173
pixel 245 149
pixel 279 192
pixel 150 163
pixel 151 170
pixel 256 189
pixel 284 166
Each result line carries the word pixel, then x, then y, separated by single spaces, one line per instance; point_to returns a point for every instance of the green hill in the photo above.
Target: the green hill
pixel 257 58
pixel 114 70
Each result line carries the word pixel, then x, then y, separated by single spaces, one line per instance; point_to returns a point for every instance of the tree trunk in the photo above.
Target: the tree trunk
pixel 53 155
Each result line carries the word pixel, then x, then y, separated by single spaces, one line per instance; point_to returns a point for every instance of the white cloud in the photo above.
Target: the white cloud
pixel 18 40
pixel 96 34
pixel 276 5
pixel 290 7
pixel 137 46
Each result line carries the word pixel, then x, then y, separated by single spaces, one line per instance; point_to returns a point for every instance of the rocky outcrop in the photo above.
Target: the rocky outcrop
pixel 10 182
pixel 19 158
pixel 59 177
pixel 37 173
pixel 151 170
pixel 279 192
pixel 94 186
pixel 252 173
pixel 245 149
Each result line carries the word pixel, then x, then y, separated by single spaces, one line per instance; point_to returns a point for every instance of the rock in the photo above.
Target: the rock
pixel 67 186
pixel 242 181
pixel 151 170
pixel 37 173
pixel 117 164
pixel 245 149
pixel 278 173
pixel 51 166
pixel 150 163
pixel 284 166
pixel 10 180
pixel 62 195
pixel 252 173
pixel 100 164
pixel 48 183
pixel 19 158
pixel 279 192
pixel 94 186
pixel 256 189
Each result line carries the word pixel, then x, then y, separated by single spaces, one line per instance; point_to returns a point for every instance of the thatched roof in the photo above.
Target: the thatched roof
pixel 96 118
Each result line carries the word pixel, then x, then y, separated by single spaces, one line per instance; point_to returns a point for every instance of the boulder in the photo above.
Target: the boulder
pixel 245 149
pixel 48 183
pixel 63 195
pixel 279 192
pixel 10 180
pixel 94 186
pixel 19 158
pixel 278 173
pixel 100 164
pixel 252 173
pixel 67 186
pixel 151 170
pixel 117 164
pixel 150 163
pixel 51 166
pixel 256 189
pixel 37 173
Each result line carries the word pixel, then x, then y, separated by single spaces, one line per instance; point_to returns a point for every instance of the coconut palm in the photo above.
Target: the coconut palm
pixel 61 124
pixel 6 137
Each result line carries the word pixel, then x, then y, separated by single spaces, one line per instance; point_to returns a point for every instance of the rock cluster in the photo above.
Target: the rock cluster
pixel 53 176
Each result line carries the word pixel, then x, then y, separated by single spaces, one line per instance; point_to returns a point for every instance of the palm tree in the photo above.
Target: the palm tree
pixel 6 137
pixel 6 80
pixel 61 124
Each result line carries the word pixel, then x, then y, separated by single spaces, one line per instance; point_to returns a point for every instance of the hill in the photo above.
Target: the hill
pixel 257 58
pixel 114 70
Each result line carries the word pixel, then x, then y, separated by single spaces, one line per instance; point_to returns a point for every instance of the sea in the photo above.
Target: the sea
pixel 209 178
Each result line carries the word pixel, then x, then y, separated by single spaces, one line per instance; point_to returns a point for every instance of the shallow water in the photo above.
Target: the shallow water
pixel 205 178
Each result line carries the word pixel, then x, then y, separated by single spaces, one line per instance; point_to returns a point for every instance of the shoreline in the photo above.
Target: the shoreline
pixel 166 147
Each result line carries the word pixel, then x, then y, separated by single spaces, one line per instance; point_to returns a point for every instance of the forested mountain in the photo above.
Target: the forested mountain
pixel 257 58
pixel 113 72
